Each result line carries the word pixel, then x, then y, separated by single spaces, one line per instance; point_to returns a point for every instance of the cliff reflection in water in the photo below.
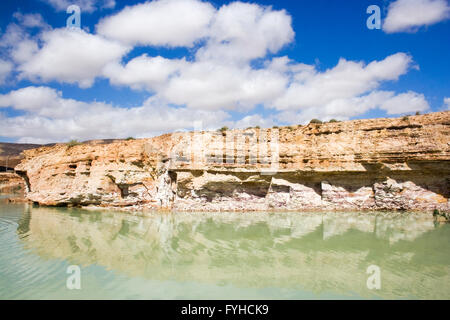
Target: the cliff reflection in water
pixel 312 252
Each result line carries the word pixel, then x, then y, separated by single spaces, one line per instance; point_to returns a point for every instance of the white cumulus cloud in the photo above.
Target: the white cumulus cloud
pixel 252 121
pixel 345 108
pixel 347 90
pixel 207 85
pixel 447 102
pixel 405 102
pixel 409 15
pixel 49 117
pixel 240 32
pixel 170 23
pixel 348 79
pixel 143 72
pixel 31 20
pixel 5 69
pixel 72 56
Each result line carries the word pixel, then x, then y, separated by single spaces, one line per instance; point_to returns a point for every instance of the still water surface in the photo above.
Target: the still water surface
pixel 220 255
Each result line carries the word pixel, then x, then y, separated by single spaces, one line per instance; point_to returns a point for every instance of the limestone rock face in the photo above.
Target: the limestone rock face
pixel 391 164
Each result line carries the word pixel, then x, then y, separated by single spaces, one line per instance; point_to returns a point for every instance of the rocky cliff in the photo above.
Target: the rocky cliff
pixel 375 164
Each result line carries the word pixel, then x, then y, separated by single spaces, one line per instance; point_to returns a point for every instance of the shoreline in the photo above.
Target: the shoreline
pixel 443 217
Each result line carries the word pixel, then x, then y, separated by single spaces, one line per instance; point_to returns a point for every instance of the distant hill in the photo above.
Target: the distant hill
pixel 10 153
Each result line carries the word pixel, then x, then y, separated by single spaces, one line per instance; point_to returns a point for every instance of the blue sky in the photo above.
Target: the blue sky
pixel 312 36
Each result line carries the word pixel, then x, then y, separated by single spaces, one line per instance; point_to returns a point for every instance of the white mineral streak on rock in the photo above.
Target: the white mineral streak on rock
pixel 164 194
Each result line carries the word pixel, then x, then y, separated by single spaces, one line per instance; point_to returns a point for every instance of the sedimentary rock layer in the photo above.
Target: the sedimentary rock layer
pixel 394 164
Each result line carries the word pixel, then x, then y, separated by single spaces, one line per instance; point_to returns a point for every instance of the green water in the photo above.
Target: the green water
pixel 220 255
